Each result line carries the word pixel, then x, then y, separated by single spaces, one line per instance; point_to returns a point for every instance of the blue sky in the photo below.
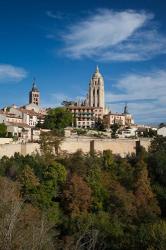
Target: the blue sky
pixel 61 42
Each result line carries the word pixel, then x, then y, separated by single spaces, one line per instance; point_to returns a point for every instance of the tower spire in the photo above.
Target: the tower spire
pixel 34 94
pixel 34 82
pixel 97 69
pixel 126 108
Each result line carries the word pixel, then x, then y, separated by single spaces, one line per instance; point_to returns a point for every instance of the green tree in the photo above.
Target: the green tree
pixel 50 143
pixel 158 144
pixel 48 192
pixel 58 118
pixel 98 183
pixel 151 236
pixel 29 183
pixel 114 128
pixel 108 159
pixel 3 130
pixel 157 170
pixel 99 125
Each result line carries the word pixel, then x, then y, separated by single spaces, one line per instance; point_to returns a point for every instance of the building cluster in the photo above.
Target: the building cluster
pixel 86 113
pixel 21 121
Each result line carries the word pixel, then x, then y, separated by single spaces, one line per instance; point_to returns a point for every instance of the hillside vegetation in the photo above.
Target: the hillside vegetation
pixel 84 202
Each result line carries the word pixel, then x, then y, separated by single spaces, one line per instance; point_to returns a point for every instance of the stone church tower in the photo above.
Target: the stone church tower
pixel 34 94
pixel 96 90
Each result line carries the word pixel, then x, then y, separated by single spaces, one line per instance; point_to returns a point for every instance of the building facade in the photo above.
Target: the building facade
pixel 85 116
pixel 123 119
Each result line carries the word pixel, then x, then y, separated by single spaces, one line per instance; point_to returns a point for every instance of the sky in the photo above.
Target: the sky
pixel 61 42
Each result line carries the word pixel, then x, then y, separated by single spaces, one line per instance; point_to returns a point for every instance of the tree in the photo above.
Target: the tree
pixel 122 202
pixel 151 236
pixel 99 125
pixel 29 183
pixel 158 144
pixel 146 203
pixel 152 133
pixel 114 128
pixel 76 196
pixel 98 184
pixel 3 130
pixel 108 159
pixel 58 118
pixel 49 192
pixel 20 222
pixel 162 124
pixel 50 143
pixel 157 170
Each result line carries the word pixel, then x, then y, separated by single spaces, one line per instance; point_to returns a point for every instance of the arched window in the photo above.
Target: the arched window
pixel 98 97
pixel 94 92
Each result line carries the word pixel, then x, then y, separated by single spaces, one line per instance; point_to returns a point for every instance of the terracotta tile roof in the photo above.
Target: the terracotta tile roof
pixel 31 112
pixel 18 124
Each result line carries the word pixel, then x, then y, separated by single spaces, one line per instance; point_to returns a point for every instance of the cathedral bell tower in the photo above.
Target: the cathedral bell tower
pixel 96 90
pixel 34 94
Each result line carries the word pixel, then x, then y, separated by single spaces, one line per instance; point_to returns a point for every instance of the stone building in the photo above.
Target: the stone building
pixel 34 95
pixel 123 119
pixel 85 116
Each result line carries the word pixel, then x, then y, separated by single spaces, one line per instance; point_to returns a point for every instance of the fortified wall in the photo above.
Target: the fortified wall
pixel 24 149
pixel 71 145
pixel 117 146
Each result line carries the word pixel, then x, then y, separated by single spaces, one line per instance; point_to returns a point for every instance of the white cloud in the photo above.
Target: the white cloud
pixel 57 15
pixel 145 94
pixel 10 73
pixel 58 98
pixel 55 100
pixel 108 35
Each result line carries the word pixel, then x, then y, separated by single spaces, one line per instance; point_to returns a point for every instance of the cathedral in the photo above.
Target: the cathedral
pixel 86 113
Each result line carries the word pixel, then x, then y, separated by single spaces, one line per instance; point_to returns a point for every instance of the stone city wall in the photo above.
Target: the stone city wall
pixel 117 146
pixel 71 145
pixel 24 149
pixel 5 140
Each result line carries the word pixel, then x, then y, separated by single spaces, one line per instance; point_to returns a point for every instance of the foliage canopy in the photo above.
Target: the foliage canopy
pixel 83 201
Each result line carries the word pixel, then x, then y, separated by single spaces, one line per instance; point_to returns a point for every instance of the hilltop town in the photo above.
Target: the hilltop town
pixel 90 117
pixel 83 147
